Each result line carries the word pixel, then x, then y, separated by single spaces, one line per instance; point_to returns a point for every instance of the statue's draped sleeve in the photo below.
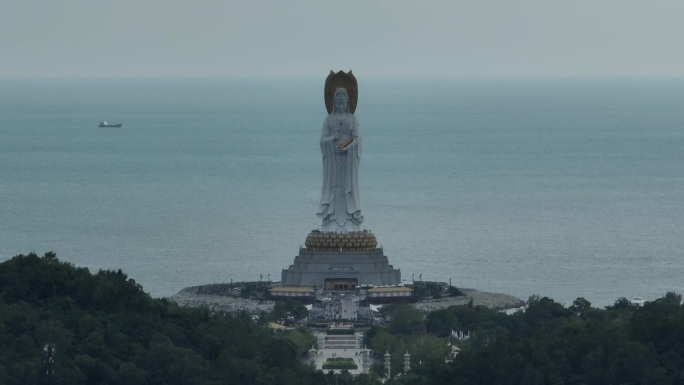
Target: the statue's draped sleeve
pixel 352 177
pixel 329 174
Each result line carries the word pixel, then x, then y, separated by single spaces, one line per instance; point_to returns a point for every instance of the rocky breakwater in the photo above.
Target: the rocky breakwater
pixel 480 298
pixel 220 298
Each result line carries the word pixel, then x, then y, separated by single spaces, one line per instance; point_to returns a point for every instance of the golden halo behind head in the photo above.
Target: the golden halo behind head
pixel 344 80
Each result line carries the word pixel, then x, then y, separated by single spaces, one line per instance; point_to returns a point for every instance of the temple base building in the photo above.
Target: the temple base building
pixel 340 262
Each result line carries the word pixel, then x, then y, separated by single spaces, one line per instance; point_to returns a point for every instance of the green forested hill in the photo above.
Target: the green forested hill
pixel 546 344
pixel 108 331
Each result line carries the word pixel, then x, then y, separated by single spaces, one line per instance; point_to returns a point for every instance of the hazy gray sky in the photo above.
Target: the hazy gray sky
pixel 308 37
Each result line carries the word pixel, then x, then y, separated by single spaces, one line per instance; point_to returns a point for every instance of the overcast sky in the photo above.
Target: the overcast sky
pixel 454 38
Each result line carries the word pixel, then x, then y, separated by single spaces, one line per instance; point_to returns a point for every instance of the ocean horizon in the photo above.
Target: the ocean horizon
pixel 563 188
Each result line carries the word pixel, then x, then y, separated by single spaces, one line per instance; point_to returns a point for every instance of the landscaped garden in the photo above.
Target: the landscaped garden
pixel 340 363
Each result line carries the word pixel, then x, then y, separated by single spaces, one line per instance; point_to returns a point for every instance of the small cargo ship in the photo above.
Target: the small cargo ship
pixel 105 124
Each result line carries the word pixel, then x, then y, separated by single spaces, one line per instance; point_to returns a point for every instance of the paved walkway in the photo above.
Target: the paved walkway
pixel 340 306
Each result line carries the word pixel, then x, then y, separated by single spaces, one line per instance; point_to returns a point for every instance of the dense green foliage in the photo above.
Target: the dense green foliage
pixel 436 290
pixel 287 309
pixel 406 333
pixel 108 331
pixel 546 344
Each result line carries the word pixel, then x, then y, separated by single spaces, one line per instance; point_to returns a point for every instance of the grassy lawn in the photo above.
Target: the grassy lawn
pixel 340 363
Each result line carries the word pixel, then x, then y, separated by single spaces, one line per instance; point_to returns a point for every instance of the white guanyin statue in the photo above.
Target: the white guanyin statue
pixel 340 207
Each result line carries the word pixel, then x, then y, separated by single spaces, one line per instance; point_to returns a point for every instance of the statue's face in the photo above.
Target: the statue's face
pixel 340 104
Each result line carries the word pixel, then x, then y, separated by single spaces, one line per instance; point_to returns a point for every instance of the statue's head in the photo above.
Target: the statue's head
pixel 341 101
pixel 335 81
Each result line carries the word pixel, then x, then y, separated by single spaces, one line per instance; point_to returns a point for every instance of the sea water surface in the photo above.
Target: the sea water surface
pixel 559 187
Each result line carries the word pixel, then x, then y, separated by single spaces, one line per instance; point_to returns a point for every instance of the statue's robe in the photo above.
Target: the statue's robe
pixel 340 207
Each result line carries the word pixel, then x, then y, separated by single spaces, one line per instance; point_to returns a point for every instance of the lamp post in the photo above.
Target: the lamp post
pixel 388 365
pixel 49 360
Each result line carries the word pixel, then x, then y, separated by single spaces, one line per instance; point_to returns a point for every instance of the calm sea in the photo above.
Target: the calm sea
pixel 563 188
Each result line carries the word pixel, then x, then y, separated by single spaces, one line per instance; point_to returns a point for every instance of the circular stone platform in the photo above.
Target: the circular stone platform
pixel 330 241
